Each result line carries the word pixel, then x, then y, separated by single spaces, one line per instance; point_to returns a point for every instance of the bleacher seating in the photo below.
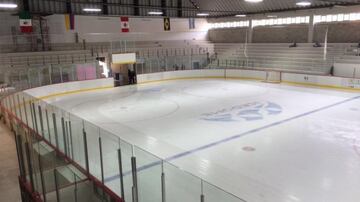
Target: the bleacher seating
pixel 304 58
pixel 278 56
pixel 45 58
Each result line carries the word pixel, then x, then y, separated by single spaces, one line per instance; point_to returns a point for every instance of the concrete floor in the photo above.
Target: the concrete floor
pixel 9 187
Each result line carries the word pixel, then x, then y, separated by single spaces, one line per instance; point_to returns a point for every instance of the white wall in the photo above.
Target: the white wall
pixel 57 31
pixel 100 29
pixel 6 22
pixel 347 70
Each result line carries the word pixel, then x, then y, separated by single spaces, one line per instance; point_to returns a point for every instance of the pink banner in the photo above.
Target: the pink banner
pixel 85 72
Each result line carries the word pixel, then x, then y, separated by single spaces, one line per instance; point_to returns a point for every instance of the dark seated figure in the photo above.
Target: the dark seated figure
pixel 293 45
pixel 317 45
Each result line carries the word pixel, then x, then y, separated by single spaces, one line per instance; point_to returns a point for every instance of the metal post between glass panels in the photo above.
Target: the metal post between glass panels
pixel 101 166
pixel 14 105
pixel 202 196
pixel 55 131
pixel 25 112
pixel 48 126
pixel 71 140
pixel 134 178
pixel 19 105
pixel 56 186
pixel 101 160
pixel 86 151
pixel 64 135
pixel 20 154
pixel 121 173
pixel 32 114
pixel 42 178
pixel 75 188
pixel 41 121
pixel 67 139
pixel 163 185
pixel 27 152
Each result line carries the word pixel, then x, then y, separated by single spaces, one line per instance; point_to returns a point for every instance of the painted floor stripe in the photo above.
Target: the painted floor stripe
pixel 186 153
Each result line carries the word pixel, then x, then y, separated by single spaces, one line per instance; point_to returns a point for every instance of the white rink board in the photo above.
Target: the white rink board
pixel 70 86
pixel 321 80
pixel 315 80
pixel 204 73
pixel 252 74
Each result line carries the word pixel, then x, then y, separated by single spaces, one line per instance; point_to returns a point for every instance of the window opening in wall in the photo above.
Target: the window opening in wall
pixel 341 17
pixel 281 21
pixel 234 24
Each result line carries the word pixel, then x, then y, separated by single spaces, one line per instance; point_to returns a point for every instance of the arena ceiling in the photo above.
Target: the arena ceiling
pixel 171 8
pixel 231 7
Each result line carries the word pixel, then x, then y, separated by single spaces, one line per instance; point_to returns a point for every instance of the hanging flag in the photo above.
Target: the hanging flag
pixel 25 22
pixel 191 23
pixel 167 26
pixel 69 22
pixel 125 24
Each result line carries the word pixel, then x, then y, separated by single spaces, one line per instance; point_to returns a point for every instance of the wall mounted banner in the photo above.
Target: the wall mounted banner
pixel 167 26
pixel 25 22
pixel 125 24
pixel 191 23
pixel 69 22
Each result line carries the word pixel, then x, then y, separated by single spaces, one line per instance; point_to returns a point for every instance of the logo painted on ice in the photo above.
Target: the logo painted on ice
pixel 247 112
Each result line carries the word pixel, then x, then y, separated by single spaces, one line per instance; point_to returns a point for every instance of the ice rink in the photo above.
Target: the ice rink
pixel 262 142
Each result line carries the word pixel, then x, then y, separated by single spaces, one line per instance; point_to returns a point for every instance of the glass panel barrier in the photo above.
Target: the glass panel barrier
pixel 111 165
pixel 149 169
pixel 181 186
pixel 110 158
pixel 126 155
pixel 215 194
pixel 93 150
pixel 77 136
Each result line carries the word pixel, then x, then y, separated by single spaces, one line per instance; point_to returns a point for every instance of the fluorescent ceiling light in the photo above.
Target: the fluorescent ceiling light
pixel 303 3
pixel 202 14
pixel 7 5
pixel 155 13
pixel 92 9
pixel 272 16
pixel 240 15
pixel 254 1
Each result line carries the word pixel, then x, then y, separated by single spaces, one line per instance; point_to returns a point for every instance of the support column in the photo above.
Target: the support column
pixel 68 7
pixel 136 8
pixel 179 6
pixel 105 9
pixel 163 7
pixel 311 30
pixel 26 5
pixel 250 32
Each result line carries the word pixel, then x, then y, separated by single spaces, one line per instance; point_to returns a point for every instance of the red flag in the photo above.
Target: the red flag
pixel 25 22
pixel 125 24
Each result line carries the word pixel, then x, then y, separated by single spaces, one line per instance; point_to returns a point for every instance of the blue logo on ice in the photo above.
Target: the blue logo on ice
pixel 150 90
pixel 247 112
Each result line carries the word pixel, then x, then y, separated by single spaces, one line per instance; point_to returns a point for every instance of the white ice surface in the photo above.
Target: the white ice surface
pixel 305 149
